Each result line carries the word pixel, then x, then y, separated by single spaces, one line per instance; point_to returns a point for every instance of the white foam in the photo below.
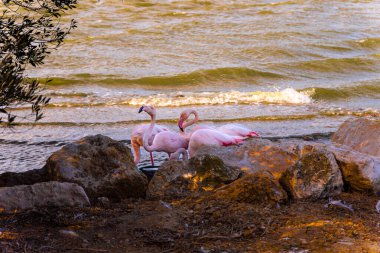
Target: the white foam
pixel 286 96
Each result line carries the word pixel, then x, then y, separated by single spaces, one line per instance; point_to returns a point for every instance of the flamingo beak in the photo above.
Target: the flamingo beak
pixel 141 109
pixel 254 134
pixel 180 124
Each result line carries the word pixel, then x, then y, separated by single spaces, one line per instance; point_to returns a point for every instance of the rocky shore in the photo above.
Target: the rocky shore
pixel 282 195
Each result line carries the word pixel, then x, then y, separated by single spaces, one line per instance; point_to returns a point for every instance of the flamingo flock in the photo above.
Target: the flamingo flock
pixel 156 138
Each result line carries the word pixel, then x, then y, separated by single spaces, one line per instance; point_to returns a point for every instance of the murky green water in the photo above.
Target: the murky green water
pixel 280 67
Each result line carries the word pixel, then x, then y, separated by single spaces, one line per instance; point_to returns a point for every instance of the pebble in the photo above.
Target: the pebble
pixel 68 233
pixel 104 202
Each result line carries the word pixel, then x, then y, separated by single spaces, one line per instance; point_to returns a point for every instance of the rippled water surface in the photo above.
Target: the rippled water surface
pixel 280 67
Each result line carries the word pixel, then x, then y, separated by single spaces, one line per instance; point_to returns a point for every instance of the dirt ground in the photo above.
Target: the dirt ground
pixel 196 225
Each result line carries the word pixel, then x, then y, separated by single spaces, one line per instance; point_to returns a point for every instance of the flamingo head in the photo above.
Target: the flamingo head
pixel 176 155
pixel 183 117
pixel 148 109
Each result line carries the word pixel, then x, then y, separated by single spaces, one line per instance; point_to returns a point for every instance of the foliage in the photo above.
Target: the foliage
pixel 29 31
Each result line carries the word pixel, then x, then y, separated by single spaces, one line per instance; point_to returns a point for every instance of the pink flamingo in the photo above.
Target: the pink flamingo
pixel 235 129
pixel 210 137
pixel 137 139
pixel 165 141
pixel 232 129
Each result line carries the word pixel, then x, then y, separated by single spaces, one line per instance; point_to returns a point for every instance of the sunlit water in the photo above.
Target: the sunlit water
pixel 280 67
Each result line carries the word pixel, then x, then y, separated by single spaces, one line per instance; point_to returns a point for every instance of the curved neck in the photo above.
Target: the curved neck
pixel 184 154
pixel 193 121
pixel 149 132
pixel 178 153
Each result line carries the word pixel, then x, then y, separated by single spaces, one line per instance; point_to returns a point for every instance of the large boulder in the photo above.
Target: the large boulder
pixel 178 179
pixel 257 188
pixel 47 194
pixel 256 155
pixel 301 147
pixel 102 166
pixel 360 172
pixel 361 134
pixel 316 175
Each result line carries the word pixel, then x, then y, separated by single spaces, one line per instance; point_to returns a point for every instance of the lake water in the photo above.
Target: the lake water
pixel 280 67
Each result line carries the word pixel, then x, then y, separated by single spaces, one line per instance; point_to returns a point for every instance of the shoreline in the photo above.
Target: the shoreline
pixel 213 203
pixel 42 150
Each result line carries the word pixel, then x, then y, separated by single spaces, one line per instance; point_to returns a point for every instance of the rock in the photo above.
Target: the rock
pixel 211 172
pixel 339 204
pixel 300 147
pixel 257 188
pixel 316 175
pixel 362 135
pixel 102 166
pixel 360 172
pixel 256 155
pixel 24 178
pixel 69 233
pixel 171 181
pixel 178 179
pixel 104 202
pixel 46 194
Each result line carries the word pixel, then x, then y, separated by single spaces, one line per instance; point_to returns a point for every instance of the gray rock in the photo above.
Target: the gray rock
pixel 178 179
pixel 69 233
pixel 360 172
pixel 102 166
pixel 362 135
pixel 46 194
pixel 104 202
pixel 316 175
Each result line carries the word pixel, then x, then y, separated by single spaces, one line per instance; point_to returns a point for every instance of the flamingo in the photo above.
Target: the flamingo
pixel 178 153
pixel 182 124
pixel 236 129
pixel 165 141
pixel 137 139
pixel 210 137
pixel 232 129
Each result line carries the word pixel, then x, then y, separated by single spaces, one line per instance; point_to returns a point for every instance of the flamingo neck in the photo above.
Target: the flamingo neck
pixel 184 154
pixel 149 133
pixel 191 122
pixel 178 153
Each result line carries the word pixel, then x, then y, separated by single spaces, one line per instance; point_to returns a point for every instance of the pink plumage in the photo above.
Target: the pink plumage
pixel 165 141
pixel 210 137
pixel 233 129
pixel 137 139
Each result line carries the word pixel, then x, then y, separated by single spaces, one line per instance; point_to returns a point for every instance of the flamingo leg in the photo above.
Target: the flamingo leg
pixel 151 158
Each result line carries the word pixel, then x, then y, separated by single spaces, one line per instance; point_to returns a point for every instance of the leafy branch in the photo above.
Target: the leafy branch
pixel 29 31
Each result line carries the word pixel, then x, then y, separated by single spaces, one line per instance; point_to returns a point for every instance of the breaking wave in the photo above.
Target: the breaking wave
pixel 286 96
